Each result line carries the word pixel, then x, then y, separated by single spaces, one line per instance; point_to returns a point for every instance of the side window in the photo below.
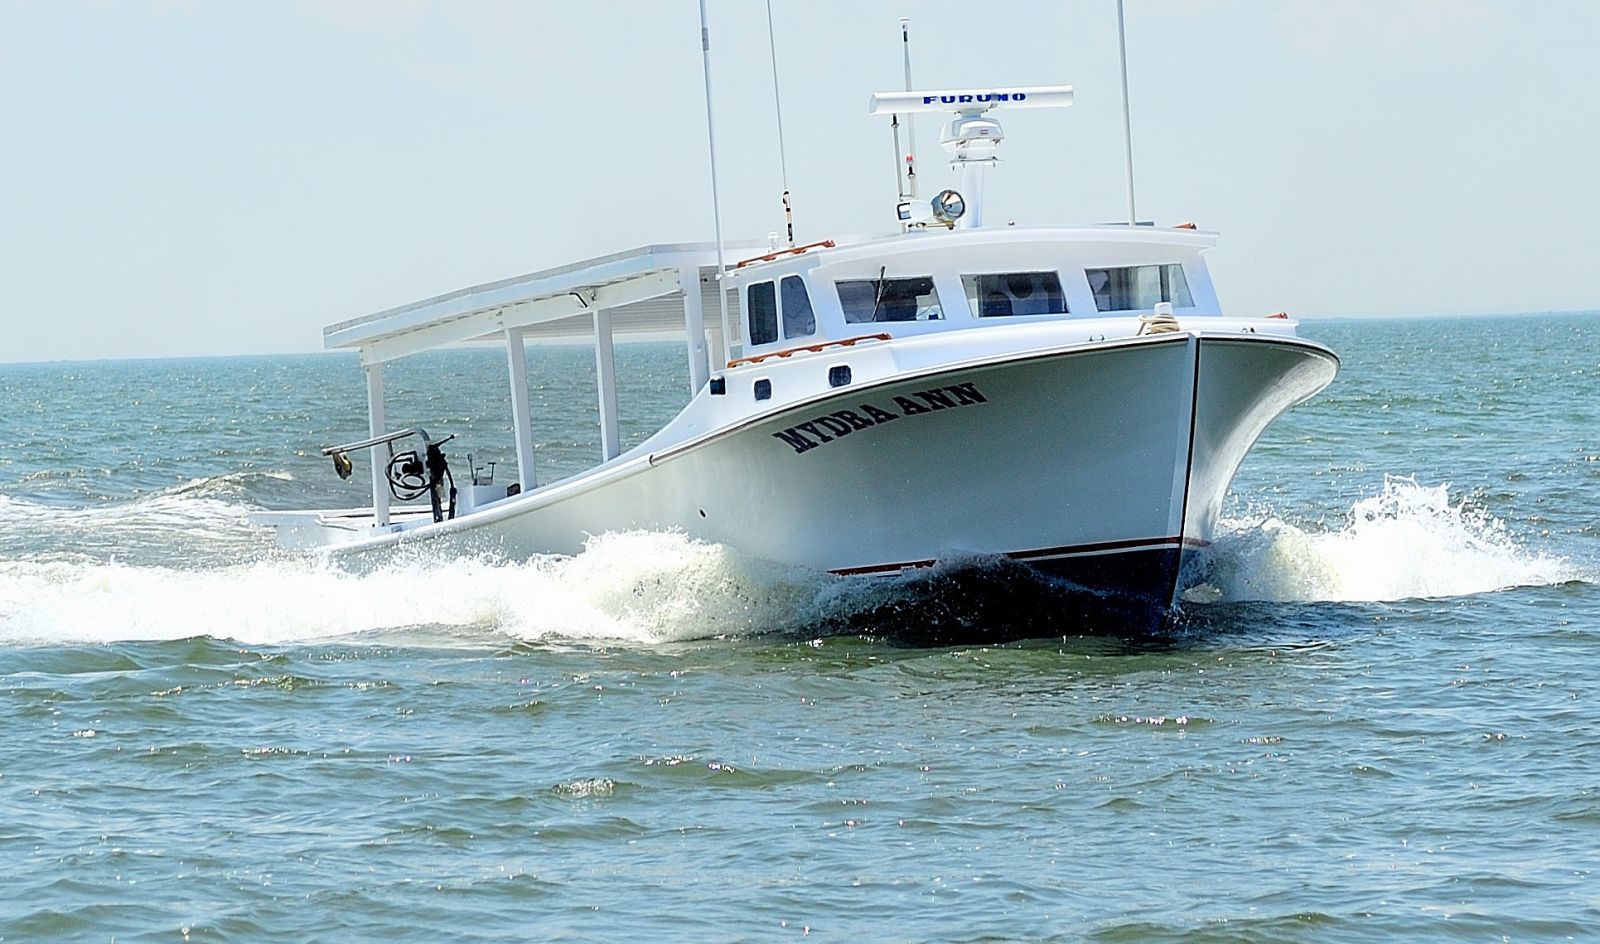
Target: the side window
pixel 762 305
pixel 798 320
pixel 873 300
pixel 1015 293
pixel 1137 288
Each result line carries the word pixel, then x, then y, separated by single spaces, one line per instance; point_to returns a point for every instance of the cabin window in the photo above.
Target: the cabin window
pixel 798 319
pixel 1015 293
pixel 762 303
pixel 871 300
pixel 1139 288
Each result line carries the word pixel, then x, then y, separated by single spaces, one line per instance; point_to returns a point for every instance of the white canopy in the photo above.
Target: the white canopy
pixel 640 288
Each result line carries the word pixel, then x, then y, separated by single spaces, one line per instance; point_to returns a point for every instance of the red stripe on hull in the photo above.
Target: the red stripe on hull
pixel 1044 553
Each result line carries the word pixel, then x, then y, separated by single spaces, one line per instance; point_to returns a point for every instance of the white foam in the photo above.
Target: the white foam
pixel 633 587
pixel 143 527
pixel 228 484
pixel 650 587
pixel 1408 541
pixel 174 510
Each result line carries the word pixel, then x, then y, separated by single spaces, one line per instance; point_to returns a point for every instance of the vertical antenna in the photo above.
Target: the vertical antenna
pixel 716 206
pixel 1127 122
pixel 911 121
pixel 899 162
pixel 777 104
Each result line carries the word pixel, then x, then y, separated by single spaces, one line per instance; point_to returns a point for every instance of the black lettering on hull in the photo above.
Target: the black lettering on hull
pixel 967 393
pixel 937 399
pixel 803 437
pixel 833 425
pixel 796 439
pixel 856 420
pixel 811 428
pixel 877 415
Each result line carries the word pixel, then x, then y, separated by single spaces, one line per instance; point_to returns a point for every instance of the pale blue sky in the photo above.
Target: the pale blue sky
pixel 227 177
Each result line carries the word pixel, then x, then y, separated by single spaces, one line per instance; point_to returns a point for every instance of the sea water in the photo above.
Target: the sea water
pixel 1376 720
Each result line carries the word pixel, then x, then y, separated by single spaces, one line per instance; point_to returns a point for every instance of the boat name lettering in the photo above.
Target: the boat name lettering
pixel 970 98
pixel 830 426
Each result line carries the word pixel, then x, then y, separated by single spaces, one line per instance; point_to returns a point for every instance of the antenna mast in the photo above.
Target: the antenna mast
pixel 1127 122
pixel 905 162
pixel 777 104
pixel 911 123
pixel 716 206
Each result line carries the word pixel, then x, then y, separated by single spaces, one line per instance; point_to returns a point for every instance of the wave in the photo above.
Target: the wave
pixel 1408 541
pixel 174 524
pixel 229 485
pixel 641 587
pixel 221 578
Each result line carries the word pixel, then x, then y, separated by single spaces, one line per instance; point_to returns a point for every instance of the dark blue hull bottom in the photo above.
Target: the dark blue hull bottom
pixel 1126 593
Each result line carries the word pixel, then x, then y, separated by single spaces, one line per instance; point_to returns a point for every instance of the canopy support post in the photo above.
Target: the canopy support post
pixel 521 420
pixel 694 322
pixel 718 347
pixel 375 424
pixel 730 334
pixel 606 378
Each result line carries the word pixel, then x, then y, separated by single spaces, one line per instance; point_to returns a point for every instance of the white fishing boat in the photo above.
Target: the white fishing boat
pixel 1070 397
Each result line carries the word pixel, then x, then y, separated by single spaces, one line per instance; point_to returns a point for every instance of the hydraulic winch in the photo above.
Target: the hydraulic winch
pixel 410 474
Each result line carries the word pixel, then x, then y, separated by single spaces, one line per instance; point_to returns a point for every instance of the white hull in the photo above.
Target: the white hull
pixel 1100 462
pixel 1071 397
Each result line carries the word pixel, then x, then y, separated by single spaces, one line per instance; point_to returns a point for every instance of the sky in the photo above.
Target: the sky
pixel 199 177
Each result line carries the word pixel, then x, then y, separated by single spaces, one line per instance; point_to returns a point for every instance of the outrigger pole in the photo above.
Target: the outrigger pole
pixel 777 104
pixel 716 206
pixel 1127 121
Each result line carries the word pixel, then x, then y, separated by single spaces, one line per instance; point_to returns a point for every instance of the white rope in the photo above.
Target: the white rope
pixel 1162 323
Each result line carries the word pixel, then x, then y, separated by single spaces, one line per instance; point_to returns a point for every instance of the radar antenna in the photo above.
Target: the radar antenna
pixel 970 138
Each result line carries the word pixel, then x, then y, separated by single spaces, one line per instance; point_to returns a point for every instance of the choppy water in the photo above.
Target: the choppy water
pixel 1377 722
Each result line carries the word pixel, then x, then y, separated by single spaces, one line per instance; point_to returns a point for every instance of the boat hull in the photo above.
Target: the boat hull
pixel 1103 467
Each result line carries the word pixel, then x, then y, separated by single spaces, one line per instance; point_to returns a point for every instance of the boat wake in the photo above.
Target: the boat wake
pixel 216 578
pixel 1409 541
pixel 176 525
pixel 635 587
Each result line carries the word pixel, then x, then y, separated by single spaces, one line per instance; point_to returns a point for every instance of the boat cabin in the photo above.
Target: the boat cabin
pixel 926 282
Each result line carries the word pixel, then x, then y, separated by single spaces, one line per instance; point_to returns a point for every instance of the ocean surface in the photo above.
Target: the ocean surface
pixel 1378 718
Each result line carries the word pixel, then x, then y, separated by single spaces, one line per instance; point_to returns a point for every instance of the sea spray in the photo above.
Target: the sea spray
pixel 645 586
pixel 638 587
pixel 1407 541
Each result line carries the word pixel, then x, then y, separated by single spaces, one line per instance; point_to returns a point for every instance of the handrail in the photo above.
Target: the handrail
pixel 811 348
pixel 792 250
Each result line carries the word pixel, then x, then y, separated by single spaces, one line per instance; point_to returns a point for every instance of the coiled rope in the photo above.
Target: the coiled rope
pixel 1162 323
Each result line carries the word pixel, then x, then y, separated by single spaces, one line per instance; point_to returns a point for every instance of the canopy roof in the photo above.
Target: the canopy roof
pixel 640 288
